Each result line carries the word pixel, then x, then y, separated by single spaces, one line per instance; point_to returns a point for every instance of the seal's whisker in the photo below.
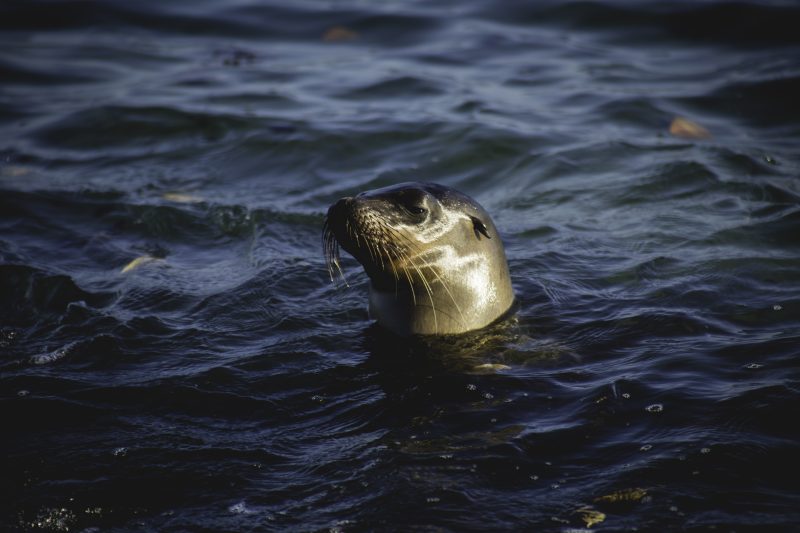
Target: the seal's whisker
pixel 411 286
pixel 421 255
pixel 379 253
pixel 339 267
pixel 428 289
pixel 432 268
pixel 445 286
pixel 326 248
pixel 405 258
pixel 372 248
pixel 330 247
pixel 389 260
pixel 408 277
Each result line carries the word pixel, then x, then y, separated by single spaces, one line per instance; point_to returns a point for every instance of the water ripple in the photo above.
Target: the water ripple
pixel 174 356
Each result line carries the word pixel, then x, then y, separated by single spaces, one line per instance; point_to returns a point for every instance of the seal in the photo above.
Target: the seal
pixel 435 261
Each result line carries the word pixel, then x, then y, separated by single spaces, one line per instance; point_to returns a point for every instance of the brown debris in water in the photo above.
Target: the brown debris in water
pixel 136 263
pixel 688 129
pixel 338 34
pixel 624 495
pixel 590 516
pixel 181 198
pixel 15 171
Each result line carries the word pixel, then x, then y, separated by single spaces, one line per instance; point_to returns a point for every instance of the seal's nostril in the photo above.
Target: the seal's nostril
pixel 340 207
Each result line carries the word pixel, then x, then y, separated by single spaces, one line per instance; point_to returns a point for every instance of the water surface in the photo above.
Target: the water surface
pixel 174 357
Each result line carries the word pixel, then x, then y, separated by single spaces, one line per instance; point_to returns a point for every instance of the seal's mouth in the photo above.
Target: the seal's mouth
pixel 359 226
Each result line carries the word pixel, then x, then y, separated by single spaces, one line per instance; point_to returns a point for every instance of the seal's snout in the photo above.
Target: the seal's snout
pixel 337 217
pixel 333 231
pixel 340 208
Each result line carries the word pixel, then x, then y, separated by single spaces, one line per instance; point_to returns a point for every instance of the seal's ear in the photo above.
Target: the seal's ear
pixel 480 228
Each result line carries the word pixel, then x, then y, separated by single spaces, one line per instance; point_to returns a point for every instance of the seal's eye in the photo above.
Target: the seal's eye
pixel 413 202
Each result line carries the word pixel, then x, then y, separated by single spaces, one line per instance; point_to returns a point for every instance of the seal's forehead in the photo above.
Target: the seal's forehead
pixel 413 190
pixel 402 187
pixel 440 192
pixel 402 192
pixel 451 197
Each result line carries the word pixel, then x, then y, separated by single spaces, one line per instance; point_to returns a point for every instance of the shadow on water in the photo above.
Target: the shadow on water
pixel 512 341
pixel 416 356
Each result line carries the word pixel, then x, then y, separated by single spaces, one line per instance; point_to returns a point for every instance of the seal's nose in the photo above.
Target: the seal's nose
pixel 340 208
pixel 338 214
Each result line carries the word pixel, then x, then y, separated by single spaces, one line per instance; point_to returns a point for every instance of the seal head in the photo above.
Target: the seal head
pixel 433 255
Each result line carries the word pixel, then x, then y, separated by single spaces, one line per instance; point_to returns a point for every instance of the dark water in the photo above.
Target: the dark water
pixel 221 382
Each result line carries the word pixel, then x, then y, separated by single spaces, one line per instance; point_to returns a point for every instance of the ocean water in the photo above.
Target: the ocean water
pixel 174 356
